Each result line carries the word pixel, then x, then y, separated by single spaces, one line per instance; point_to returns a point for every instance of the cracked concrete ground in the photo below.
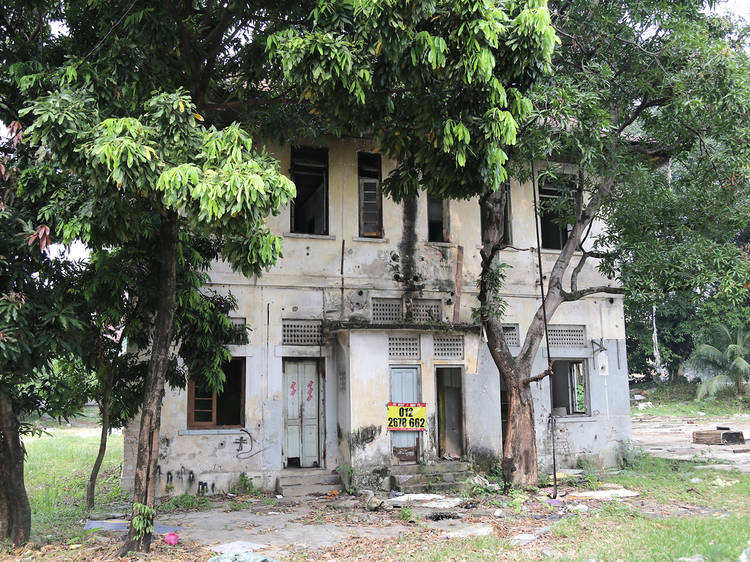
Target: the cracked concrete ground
pixel 300 525
pixel 672 438
pixel 292 526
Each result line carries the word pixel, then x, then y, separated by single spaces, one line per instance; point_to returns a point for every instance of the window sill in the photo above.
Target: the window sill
pixel 368 239
pixel 213 431
pixel 312 236
pixel 575 418
pixel 441 244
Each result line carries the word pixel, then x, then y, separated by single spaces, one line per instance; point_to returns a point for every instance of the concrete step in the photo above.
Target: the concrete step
pixel 438 488
pixel 317 478
pixel 298 490
pixel 433 478
pixel 295 483
pixel 444 466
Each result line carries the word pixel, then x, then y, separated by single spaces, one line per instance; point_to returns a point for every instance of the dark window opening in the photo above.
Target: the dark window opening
pixel 437 220
pixel 507 238
pixel 551 196
pixel 208 409
pixel 370 198
pixel 569 388
pixel 310 175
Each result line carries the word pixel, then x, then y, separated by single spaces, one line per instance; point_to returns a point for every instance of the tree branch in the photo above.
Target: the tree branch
pixel 541 376
pixel 575 295
pixel 645 104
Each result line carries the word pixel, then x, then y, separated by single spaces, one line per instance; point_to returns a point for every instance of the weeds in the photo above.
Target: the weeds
pixel 185 502
pixel 405 514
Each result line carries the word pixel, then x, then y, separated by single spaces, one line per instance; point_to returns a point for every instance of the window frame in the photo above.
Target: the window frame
pixel 192 424
pixel 298 164
pixel 363 179
pixel 572 401
pixel 446 230
pixel 564 181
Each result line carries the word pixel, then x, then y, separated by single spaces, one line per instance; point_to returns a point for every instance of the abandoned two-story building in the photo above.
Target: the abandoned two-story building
pixel 371 305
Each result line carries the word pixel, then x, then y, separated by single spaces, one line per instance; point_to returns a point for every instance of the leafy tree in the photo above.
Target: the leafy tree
pixel 38 324
pixel 682 320
pixel 164 172
pixel 728 353
pixel 648 100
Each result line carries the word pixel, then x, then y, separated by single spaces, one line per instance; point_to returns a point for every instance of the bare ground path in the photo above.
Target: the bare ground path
pixel 671 437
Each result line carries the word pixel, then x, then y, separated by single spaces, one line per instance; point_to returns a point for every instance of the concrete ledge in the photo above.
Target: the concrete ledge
pixel 576 419
pixel 310 236
pixel 366 239
pixel 231 431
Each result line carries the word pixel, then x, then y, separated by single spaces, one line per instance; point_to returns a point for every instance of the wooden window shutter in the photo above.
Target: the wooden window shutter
pixel 370 208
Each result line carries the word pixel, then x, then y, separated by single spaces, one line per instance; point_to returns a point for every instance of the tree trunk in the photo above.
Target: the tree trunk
pixel 104 409
pixel 15 512
pixel 148 436
pixel 519 442
pixel 519 462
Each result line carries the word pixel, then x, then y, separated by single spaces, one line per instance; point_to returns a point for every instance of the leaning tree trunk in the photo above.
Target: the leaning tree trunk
pixel 15 512
pixel 148 436
pixel 104 408
pixel 519 462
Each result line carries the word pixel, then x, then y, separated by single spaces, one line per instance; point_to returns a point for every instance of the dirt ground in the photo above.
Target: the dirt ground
pixel 671 437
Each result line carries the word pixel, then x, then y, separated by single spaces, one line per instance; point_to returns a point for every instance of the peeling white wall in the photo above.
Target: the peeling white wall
pixel 334 277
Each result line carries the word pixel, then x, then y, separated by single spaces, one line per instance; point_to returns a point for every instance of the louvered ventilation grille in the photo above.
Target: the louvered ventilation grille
pixel 386 311
pixel 301 332
pixel 449 347
pixel 424 311
pixel 567 336
pixel 512 337
pixel 403 347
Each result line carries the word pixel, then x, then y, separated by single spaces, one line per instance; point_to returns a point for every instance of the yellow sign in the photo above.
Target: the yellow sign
pixel 406 416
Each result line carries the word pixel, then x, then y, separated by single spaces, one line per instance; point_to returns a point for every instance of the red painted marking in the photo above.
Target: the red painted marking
pixel 294 388
pixel 309 390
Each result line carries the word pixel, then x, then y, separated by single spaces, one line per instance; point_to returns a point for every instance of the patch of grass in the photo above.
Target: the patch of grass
pixel 240 505
pixel 668 539
pixel 678 399
pixel 478 548
pixel 669 481
pixel 270 501
pixel 56 472
pixel 185 502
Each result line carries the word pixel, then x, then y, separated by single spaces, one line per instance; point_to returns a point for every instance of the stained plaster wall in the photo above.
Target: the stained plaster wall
pixel 334 277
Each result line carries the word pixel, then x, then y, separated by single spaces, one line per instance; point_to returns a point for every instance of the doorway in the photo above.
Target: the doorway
pixel 450 412
pixel 405 388
pixel 301 413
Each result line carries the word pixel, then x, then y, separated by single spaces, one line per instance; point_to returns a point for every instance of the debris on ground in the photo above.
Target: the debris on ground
pixel 719 436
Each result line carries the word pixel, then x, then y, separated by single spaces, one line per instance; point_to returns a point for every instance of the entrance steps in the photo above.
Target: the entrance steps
pixel 445 476
pixel 296 482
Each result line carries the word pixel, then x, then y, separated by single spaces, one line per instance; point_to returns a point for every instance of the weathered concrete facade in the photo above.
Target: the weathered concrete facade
pixel 326 348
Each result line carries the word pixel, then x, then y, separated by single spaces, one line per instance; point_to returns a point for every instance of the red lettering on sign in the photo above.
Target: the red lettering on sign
pixel 309 390
pixel 294 388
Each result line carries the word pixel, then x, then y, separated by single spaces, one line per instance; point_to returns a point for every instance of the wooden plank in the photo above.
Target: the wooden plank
pixel 718 437
pixel 708 437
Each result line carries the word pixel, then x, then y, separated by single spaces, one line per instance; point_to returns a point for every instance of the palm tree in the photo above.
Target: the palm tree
pixel 728 354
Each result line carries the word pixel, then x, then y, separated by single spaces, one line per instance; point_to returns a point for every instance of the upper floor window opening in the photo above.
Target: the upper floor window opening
pixel 438 224
pixel 554 198
pixel 370 197
pixel 309 173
